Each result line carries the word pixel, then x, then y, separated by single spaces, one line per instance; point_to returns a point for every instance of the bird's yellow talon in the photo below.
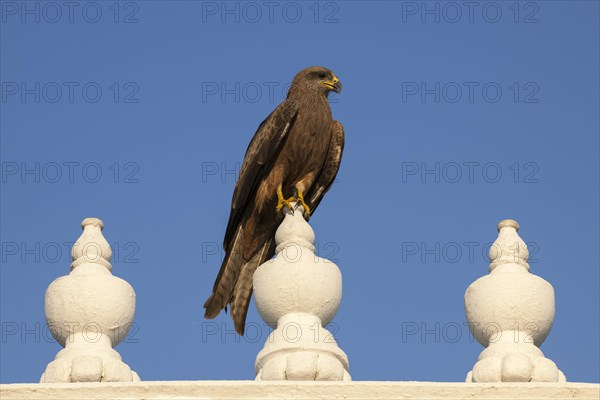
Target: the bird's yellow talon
pixel 281 202
pixel 307 210
pixel 284 203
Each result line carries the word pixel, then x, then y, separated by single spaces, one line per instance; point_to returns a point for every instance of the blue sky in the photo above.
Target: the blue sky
pixel 139 113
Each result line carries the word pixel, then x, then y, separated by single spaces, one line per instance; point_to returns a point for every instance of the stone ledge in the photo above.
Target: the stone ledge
pixel 233 390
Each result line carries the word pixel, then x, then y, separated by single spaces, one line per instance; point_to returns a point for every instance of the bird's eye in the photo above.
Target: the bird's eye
pixel 322 75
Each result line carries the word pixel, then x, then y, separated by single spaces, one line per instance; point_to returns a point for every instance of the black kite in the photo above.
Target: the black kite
pixel 294 156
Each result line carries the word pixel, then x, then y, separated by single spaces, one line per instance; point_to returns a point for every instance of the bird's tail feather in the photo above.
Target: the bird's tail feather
pixel 243 287
pixel 227 278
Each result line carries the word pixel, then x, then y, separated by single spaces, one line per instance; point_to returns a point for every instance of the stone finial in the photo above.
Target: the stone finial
pixel 508 248
pixel 297 293
pixel 510 312
pixel 89 312
pixel 91 247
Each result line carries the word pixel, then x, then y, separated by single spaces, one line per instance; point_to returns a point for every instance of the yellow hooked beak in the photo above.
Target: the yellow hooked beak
pixel 334 84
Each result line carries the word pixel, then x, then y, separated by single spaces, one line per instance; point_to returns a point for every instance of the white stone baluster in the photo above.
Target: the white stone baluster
pixel 510 312
pixel 89 312
pixel 297 293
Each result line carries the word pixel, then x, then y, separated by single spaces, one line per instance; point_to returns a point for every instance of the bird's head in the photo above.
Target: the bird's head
pixel 316 79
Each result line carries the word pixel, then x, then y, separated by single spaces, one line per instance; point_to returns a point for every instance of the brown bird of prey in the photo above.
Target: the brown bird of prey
pixel 294 156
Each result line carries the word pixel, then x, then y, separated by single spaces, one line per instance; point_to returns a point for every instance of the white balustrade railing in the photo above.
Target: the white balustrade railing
pixel 510 311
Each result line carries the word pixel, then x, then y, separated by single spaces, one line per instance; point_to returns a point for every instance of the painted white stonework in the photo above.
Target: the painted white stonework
pixel 285 390
pixel 510 312
pixel 89 312
pixel 297 293
pixel 300 290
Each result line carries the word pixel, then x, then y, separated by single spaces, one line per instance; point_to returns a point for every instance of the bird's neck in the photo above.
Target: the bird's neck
pixel 309 99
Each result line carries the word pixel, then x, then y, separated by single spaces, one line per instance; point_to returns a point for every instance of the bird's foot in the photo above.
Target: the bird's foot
pixel 286 203
pixel 281 202
pixel 307 209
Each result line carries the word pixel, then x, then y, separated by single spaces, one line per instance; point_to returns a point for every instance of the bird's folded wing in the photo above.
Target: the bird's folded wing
pixel 330 167
pixel 261 153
